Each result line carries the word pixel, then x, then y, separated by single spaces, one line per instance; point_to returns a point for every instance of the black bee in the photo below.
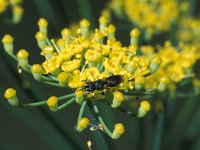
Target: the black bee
pixel 102 84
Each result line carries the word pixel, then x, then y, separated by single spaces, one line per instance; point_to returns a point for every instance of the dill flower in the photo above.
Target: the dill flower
pixel 91 64
pixel 10 94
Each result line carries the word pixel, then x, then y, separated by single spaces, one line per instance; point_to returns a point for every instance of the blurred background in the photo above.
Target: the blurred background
pixel 38 128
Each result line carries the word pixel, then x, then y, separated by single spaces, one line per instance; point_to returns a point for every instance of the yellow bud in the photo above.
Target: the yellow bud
pixel 145 105
pixel 3 5
pixel 7 39
pixel 18 10
pixel 165 80
pixel 140 80
pixel 42 22
pixel 143 109
pixel 40 36
pixel 118 96
pixel 62 77
pixel 36 68
pixel 60 42
pixel 66 33
pixel 111 28
pixel 10 93
pixel 22 54
pixel 155 64
pixel 84 23
pixel 15 2
pixel 52 101
pixel 156 60
pixel 82 124
pixel 37 71
pixel 135 33
pixel 119 128
pixel 103 20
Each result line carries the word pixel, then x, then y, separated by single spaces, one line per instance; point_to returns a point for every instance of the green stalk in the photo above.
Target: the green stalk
pixel 176 132
pixel 35 104
pixel 107 131
pixel 97 136
pixel 66 104
pixel 81 111
pixel 158 131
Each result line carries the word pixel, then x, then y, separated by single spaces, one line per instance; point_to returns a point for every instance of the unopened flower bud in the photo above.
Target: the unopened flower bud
pixel 118 130
pixel 155 64
pixel 62 78
pixel 10 94
pixel 41 37
pixel 22 58
pixel 37 71
pixel 8 43
pixel 163 84
pixel 42 23
pixel 143 109
pixel 118 98
pixel 139 82
pixel 82 124
pixel 52 103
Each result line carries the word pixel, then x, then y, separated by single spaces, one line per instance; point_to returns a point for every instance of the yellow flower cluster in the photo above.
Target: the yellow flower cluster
pixel 96 56
pixel 153 16
pixel 177 62
pixel 15 6
pixel 85 61
pixel 189 30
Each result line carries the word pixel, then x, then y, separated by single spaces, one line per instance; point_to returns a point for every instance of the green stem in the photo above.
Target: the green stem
pixel 107 131
pixel 35 104
pixel 52 83
pixel 158 132
pixel 80 115
pixel 28 69
pixel 66 104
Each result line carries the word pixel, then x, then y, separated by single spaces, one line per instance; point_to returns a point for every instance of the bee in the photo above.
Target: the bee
pixel 102 84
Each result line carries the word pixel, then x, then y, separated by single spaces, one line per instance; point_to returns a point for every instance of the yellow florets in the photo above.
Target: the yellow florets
pixel 118 96
pixel 140 80
pixel 66 33
pixel 52 101
pixel 63 76
pixel 84 23
pixel 7 39
pixel 145 105
pixel 40 36
pixel 36 68
pixel 42 22
pixel 3 5
pixel 18 10
pixel 22 54
pixel 9 93
pixel 119 128
pixel 165 80
pixel 83 122
pixel 135 33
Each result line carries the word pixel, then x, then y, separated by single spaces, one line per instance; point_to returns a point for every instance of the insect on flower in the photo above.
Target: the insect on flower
pixel 102 84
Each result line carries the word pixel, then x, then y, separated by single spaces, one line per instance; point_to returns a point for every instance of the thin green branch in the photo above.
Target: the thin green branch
pixel 158 132
pixel 66 103
pixel 107 131
pixel 35 104
pixel 80 115
pixel 52 83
